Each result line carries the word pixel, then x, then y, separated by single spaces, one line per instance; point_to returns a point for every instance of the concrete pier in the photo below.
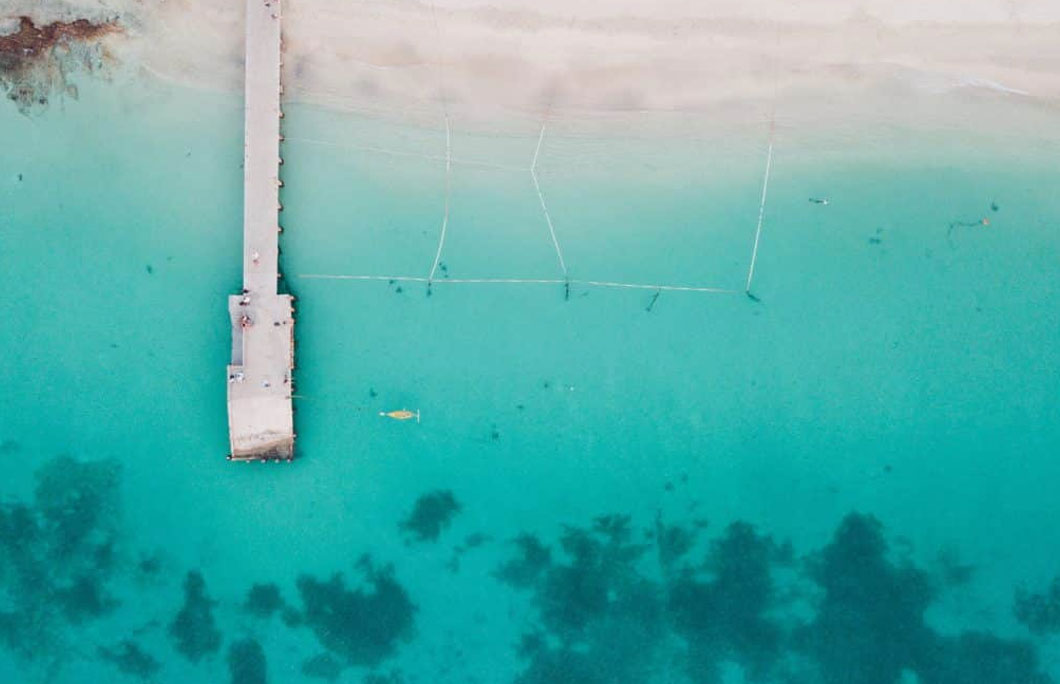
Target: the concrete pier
pixel 260 418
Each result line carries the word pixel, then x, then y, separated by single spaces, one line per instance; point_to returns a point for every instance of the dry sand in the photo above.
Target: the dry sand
pixel 523 58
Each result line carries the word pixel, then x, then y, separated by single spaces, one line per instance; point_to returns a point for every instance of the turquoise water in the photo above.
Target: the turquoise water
pixel 886 418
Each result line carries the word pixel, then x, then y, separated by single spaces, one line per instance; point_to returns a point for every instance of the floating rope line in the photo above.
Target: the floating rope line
pixel 541 198
pixel 761 209
pixel 448 150
pixel 445 213
pixel 645 286
pixel 524 281
pixel 769 160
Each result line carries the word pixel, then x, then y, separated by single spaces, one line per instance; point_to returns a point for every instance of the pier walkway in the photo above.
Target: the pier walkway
pixel 260 418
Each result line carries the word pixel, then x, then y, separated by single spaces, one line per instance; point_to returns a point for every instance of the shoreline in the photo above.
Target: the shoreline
pixel 495 69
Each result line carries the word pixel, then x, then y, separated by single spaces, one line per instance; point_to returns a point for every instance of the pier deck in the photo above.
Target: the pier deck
pixel 260 418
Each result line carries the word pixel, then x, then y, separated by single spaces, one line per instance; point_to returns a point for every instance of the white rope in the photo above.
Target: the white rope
pixel 396 279
pixel 668 288
pixel 445 213
pixel 541 198
pixel 448 151
pixel 769 159
pixel 524 281
pixel 761 208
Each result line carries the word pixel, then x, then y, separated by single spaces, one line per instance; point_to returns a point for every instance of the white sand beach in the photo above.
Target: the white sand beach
pixel 490 61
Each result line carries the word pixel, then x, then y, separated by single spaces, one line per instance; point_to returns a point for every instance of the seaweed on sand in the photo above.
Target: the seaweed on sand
pixel 76 501
pixel 1039 612
pixel 363 626
pixel 263 600
pixel 532 559
pixel 246 662
pixel 84 598
pixel 130 659
pixel 322 666
pixel 981 658
pixel 870 622
pixel 726 617
pixel 57 555
pixel 193 629
pixel 600 619
pixel 870 625
pixel 431 514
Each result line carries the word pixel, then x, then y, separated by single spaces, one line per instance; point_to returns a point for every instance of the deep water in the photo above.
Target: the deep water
pixel 850 480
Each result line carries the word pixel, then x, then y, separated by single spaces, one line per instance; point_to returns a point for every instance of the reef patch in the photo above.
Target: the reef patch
pixel 193 630
pixel 130 659
pixel 431 514
pixel 1039 612
pixel 362 626
pixel 322 666
pixel 608 607
pixel 263 600
pixel 57 556
pixel 246 662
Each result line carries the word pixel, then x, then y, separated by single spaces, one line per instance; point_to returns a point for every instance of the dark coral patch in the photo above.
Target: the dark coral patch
pixel 432 513
pixel 263 600
pixel 57 555
pixel 870 623
pixel 363 626
pixel 599 579
pixel 673 542
pixel 77 502
pixel 980 658
pixel 532 559
pixel 193 630
pixel 850 615
pixel 601 619
pixel 1039 612
pixel 322 666
pixel 130 659
pixel 726 616
pixel 246 662
pixel 85 598
pixel 562 665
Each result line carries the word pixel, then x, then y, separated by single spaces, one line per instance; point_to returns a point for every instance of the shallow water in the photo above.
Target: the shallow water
pixel 893 368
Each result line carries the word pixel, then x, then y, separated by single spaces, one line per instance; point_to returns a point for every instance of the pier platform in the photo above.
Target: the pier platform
pixel 260 415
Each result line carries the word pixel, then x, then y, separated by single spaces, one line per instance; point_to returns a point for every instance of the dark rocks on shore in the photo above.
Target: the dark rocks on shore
pixel 35 60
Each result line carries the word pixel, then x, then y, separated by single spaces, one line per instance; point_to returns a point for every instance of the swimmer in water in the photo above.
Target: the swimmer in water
pixel 651 304
pixel 819 200
pixel 403 414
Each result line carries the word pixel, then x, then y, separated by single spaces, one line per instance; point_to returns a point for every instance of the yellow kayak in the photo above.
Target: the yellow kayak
pixel 403 414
